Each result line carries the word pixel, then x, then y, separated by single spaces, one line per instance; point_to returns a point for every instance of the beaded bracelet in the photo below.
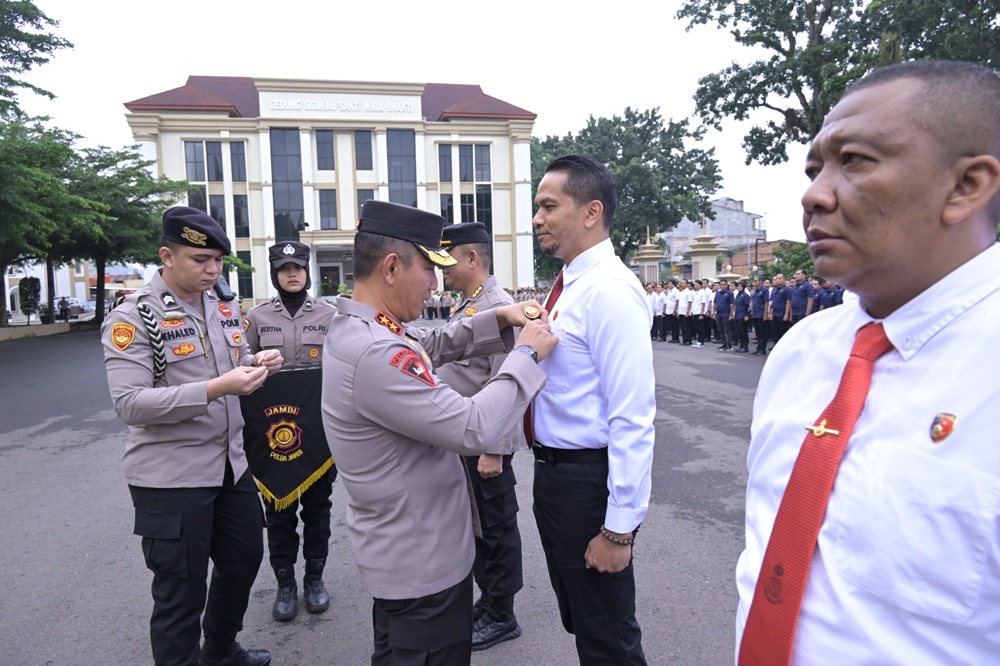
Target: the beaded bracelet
pixel 607 534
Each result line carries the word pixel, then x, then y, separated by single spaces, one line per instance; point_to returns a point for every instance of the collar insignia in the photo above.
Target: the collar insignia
pixel 168 301
pixel 942 426
pixel 389 323
pixel 478 291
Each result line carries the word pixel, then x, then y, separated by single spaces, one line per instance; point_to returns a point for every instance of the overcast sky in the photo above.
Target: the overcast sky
pixel 564 61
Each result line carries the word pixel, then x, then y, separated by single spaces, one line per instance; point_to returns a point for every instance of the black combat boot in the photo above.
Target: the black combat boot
pixel 286 603
pixel 482 603
pixel 497 624
pixel 317 599
pixel 232 655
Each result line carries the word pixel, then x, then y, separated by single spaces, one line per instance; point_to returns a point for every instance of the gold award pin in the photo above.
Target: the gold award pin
pixel 531 312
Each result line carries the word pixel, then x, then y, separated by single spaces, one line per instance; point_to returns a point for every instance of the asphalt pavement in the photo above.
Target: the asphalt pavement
pixel 75 590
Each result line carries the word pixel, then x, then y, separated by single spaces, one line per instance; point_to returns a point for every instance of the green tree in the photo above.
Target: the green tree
pixel 35 202
pixel 814 49
pixel 659 179
pixel 131 202
pixel 24 44
pixel 789 256
pixel 29 292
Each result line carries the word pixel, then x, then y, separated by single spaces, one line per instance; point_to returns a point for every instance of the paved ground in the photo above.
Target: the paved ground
pixel 75 591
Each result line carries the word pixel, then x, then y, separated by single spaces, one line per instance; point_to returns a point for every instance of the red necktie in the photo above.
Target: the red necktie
pixel 550 302
pixel 774 611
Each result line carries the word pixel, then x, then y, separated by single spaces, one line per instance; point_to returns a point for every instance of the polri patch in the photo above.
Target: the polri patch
pixel 942 426
pixel 225 310
pixel 412 365
pixel 469 311
pixel 237 338
pixel 122 335
pixel 314 352
pixel 173 323
pixel 184 349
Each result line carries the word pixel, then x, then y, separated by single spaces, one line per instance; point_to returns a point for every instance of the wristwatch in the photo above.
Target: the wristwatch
pixel 529 350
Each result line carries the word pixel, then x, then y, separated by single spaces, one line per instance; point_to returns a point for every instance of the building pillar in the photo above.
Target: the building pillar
pixel 308 198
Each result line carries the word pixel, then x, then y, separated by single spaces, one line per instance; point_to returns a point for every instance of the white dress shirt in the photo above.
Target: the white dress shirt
pixel 601 391
pixel 907 564
pixel 659 302
pixel 685 302
pixel 672 297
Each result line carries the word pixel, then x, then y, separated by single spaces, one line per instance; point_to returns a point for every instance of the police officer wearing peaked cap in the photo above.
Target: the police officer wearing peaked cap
pixel 295 323
pixel 176 362
pixel 398 433
pixel 498 568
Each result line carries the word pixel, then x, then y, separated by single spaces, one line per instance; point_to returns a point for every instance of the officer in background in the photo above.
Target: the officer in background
pixel 176 362
pixel 497 569
pixel 398 433
pixel 295 323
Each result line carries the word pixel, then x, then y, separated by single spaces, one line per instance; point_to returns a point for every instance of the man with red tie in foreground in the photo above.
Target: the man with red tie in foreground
pixel 872 531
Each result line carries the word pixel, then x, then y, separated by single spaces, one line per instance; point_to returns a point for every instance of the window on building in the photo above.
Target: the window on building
pixel 402 161
pixel 213 156
pixel 444 162
pixel 328 209
pixel 465 163
pixel 363 196
pixel 446 208
pixel 238 157
pixel 324 150
pixel 286 173
pixel 484 207
pixel 194 157
pixel 468 203
pixel 363 150
pixel 482 164
pixel 217 208
pixel 244 286
pixel 241 215
pixel 198 198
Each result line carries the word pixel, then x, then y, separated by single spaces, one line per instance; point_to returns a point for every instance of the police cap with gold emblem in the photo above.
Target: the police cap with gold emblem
pixel 465 233
pixel 288 252
pixel 183 225
pixel 421 228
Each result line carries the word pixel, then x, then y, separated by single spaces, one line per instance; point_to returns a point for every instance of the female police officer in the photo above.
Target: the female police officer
pixel 295 323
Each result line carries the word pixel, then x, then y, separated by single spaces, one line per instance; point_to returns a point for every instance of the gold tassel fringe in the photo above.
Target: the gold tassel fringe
pixel 285 502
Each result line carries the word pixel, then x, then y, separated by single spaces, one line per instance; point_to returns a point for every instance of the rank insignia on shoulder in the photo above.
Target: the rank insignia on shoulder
pixel 184 349
pixel 942 426
pixel 389 323
pixel 314 352
pixel 478 291
pixel 237 338
pixel 469 311
pixel 225 310
pixel 122 335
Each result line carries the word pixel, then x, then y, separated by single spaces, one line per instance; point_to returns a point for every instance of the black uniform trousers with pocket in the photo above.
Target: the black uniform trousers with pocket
pixel 181 529
pixel 435 630
pixel 570 502
pixel 498 569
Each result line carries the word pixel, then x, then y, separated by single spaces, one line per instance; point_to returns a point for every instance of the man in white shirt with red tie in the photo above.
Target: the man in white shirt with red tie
pixel 593 424
pixel 901 555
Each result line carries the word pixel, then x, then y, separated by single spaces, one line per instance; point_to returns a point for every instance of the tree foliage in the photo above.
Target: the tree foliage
pixel 789 256
pixel 659 179
pixel 814 49
pixel 24 44
pixel 29 293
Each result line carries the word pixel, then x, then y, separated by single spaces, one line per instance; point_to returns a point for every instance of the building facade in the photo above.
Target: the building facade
pixel 283 159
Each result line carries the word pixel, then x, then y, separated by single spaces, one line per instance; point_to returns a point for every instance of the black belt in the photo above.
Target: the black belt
pixel 547 454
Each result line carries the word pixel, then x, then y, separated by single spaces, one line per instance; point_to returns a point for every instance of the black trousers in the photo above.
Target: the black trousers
pixel 654 331
pixel 599 608
pixel 498 569
pixel 778 328
pixel 282 537
pixel 672 326
pixel 181 529
pixel 760 332
pixel 435 630
pixel 723 324
pixel 687 328
pixel 430 311
pixel 444 311
pixel 742 333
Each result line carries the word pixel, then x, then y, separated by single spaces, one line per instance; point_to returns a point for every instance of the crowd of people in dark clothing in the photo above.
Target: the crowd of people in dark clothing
pixel 701 312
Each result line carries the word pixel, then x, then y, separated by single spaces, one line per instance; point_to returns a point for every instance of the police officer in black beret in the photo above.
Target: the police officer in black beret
pixel 176 363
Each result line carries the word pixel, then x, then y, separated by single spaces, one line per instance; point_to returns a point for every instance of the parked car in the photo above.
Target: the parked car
pixel 77 308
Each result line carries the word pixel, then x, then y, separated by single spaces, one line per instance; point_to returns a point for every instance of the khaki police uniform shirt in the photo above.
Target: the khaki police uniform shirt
pixel 468 376
pixel 299 339
pixel 395 430
pixel 178 439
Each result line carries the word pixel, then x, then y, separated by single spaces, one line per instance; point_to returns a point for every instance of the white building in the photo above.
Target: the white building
pixel 285 159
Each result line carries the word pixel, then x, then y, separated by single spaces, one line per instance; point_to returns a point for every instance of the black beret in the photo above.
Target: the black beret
pixel 406 223
pixel 188 226
pixel 289 252
pixel 464 234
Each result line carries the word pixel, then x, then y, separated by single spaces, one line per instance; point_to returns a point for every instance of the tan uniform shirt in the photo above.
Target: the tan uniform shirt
pixel 468 376
pixel 395 430
pixel 177 438
pixel 299 339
